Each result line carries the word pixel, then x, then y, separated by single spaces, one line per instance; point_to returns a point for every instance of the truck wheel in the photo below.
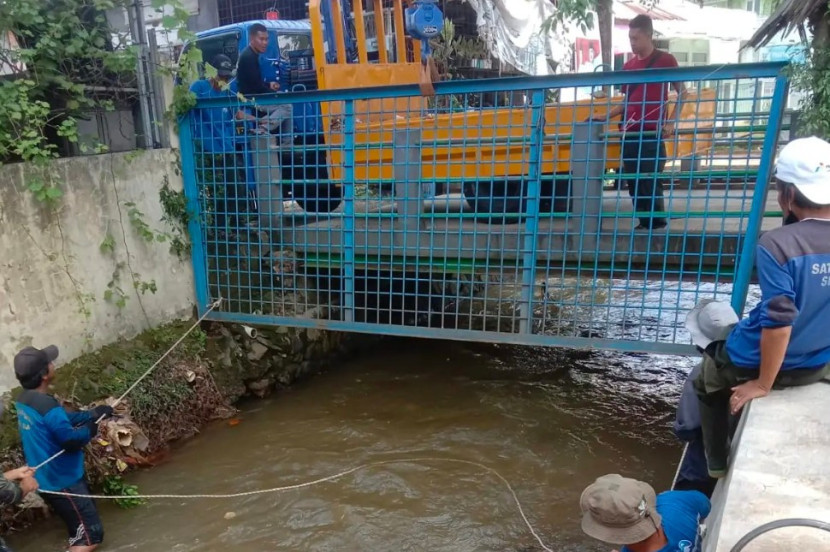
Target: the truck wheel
pixel 307 182
pixel 555 194
pixel 324 197
pixel 501 198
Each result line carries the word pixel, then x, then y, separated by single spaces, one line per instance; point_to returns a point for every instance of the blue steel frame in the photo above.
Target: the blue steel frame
pixel 746 263
pixel 537 86
pixel 537 105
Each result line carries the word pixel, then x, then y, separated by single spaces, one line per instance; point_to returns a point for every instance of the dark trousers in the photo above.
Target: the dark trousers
pixel 645 154
pixel 223 176
pixel 714 388
pixel 693 475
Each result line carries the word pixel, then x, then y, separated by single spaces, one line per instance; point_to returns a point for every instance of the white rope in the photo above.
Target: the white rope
pixel 680 465
pixel 319 481
pixel 145 374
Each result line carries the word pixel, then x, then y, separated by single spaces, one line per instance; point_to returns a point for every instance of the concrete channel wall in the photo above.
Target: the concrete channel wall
pixel 64 267
pixel 778 470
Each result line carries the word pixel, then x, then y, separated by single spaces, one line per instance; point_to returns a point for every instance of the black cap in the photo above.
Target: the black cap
pixel 31 362
pixel 223 65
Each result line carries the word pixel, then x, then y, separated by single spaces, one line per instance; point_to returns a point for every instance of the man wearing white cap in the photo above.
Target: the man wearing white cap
pixel 623 511
pixel 784 341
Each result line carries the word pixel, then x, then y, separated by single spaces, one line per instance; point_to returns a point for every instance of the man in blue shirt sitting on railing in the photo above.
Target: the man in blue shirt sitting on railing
pixel 784 341
pixel 623 511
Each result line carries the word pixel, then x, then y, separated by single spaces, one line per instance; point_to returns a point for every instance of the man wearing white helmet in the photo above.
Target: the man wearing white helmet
pixel 784 341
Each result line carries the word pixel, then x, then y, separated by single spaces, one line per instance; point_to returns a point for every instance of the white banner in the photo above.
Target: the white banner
pixel 512 31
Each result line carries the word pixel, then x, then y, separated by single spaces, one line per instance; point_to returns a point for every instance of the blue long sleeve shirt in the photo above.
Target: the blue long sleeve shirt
pixel 793 266
pixel 45 428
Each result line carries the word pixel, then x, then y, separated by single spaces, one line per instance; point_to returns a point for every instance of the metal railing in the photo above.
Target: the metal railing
pixel 388 212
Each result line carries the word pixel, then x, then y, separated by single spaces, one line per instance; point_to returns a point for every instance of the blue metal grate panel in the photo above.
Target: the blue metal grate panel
pixel 494 211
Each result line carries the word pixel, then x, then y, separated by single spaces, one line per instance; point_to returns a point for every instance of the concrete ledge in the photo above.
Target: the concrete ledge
pixel 780 469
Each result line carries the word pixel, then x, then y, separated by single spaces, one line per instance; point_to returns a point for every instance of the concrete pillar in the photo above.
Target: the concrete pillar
pixel 268 179
pixel 587 169
pixel 408 191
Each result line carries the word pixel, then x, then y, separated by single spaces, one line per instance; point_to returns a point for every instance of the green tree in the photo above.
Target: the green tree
pixel 812 76
pixel 61 60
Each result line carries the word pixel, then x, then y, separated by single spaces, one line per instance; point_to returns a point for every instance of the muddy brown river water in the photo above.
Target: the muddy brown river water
pixel 549 421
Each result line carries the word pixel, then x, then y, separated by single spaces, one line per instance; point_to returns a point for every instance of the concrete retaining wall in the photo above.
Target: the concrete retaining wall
pixel 777 471
pixel 54 272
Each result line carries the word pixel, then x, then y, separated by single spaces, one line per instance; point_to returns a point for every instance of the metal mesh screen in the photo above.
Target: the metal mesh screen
pixel 533 221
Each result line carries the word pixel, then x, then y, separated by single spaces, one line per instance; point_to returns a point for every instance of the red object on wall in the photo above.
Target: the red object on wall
pixel 272 15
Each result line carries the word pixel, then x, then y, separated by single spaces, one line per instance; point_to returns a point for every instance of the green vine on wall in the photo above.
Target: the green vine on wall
pixel 177 217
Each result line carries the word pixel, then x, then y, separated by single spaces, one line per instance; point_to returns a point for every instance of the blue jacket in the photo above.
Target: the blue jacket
pixel 45 428
pixel 214 129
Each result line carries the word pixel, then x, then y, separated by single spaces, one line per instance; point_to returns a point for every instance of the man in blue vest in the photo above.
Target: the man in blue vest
pixel 784 341
pixel 46 428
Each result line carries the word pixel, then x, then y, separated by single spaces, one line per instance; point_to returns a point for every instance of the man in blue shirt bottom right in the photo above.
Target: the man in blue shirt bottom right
pixel 623 511
pixel 784 340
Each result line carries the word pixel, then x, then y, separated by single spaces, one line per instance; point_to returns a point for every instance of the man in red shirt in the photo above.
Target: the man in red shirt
pixel 647 121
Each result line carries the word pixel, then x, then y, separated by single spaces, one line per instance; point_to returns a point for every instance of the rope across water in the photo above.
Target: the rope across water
pixel 326 480
pixel 285 487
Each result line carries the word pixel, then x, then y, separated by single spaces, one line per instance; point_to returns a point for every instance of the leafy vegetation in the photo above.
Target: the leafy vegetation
pixel 63 61
pixel 114 485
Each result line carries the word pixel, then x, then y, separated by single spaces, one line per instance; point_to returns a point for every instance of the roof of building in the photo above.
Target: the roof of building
pixel 789 15
pixel 626 10
pixel 688 19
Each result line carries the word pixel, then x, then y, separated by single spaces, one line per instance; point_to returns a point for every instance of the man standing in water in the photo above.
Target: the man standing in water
pixel 46 429
pixel 784 341
pixel 623 511
pixel 647 122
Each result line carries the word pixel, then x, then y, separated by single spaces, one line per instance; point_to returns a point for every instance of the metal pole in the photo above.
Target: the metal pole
pixel 156 97
pixel 746 262
pixel 136 18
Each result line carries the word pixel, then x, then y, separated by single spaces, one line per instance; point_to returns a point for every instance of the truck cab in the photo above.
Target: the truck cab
pixel 289 47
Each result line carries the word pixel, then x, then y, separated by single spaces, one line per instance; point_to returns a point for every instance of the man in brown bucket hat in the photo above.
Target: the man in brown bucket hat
pixel 623 511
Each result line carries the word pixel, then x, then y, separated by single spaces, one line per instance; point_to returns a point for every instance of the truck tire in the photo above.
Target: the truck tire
pixel 324 197
pixel 504 199
pixel 307 181
pixel 555 194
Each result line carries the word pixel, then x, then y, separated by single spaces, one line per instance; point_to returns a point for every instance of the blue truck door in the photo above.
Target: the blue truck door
pixel 269 60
